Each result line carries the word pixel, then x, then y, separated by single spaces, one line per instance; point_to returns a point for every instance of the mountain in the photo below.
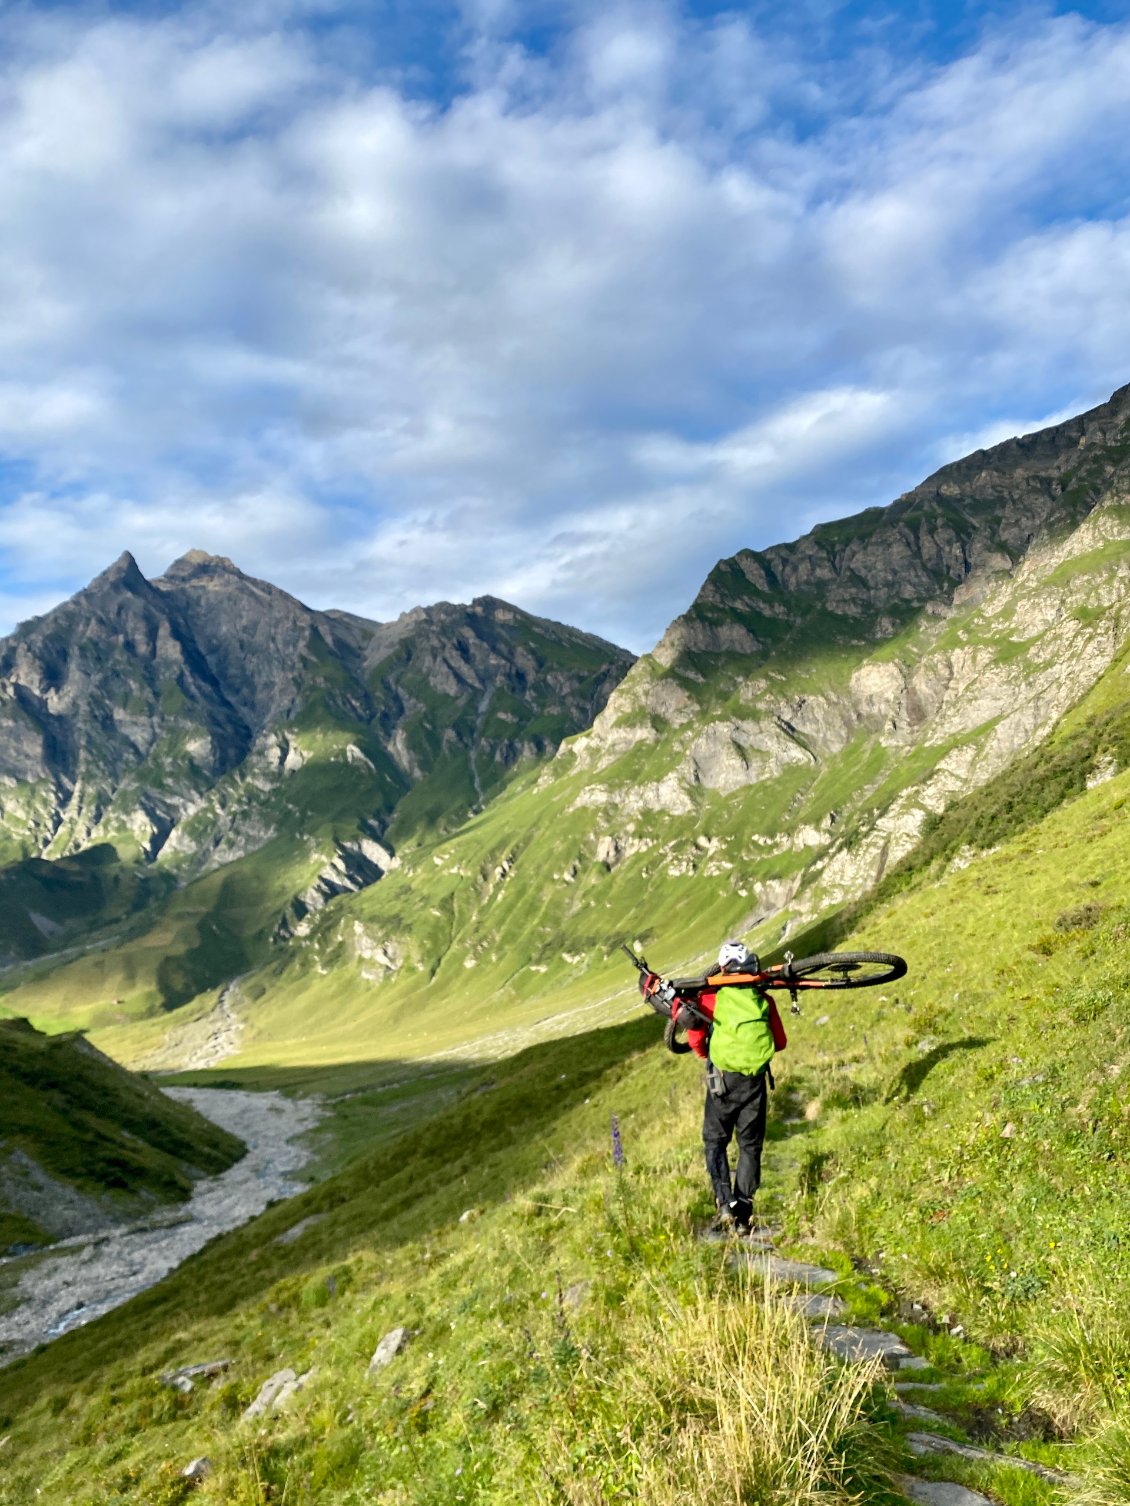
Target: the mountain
pixel 166 716
pixel 153 733
pixel 789 742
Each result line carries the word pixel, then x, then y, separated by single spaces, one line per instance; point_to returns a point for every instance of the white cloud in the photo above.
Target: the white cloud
pixel 601 319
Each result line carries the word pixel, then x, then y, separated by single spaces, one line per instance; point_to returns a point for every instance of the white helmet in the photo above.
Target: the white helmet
pixel 734 954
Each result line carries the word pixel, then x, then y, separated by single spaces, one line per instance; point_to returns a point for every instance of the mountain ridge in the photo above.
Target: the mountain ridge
pixel 213 662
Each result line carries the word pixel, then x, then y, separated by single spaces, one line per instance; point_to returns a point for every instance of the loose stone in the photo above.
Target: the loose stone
pixel 389 1347
pixel 183 1379
pixel 269 1390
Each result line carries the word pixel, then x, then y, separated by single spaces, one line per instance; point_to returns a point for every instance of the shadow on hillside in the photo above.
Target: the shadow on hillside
pixel 505 1131
pixel 914 1074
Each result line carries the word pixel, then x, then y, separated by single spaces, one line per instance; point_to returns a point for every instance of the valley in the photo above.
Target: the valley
pixel 91 1273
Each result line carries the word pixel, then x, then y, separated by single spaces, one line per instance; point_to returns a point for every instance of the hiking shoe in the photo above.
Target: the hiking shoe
pixel 741 1212
pixel 724 1219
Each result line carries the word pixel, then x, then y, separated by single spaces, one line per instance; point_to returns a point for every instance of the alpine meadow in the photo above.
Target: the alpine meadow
pixel 387 867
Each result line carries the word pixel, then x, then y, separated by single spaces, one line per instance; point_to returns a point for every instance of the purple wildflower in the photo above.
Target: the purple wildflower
pixel 617 1144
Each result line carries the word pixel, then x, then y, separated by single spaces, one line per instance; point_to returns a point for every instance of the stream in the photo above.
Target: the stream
pixel 78 1279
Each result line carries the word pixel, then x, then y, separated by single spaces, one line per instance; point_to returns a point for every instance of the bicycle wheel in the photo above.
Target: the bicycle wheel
pixel 840 970
pixel 671 1038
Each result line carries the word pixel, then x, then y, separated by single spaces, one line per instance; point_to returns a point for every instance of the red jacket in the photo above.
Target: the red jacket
pixel 698 1038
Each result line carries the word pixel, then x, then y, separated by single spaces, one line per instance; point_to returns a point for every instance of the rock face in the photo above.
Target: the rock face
pixel 354 866
pixel 841 690
pixel 190 718
pixel 868 574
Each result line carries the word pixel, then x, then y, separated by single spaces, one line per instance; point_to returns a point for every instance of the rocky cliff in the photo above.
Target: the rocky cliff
pixel 856 681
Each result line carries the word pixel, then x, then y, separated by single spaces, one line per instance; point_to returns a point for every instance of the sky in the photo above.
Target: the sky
pixel 422 300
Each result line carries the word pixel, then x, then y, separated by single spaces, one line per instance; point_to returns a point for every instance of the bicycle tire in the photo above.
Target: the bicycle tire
pixel 800 973
pixel 671 1038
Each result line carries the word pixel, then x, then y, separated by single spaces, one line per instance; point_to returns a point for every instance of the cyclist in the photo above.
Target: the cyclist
pixel 741 1047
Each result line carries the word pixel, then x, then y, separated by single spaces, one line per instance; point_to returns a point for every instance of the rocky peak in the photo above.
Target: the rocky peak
pixel 123 574
pixel 197 563
pixel 126 703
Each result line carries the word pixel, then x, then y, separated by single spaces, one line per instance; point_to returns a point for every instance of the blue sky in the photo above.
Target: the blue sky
pixel 405 302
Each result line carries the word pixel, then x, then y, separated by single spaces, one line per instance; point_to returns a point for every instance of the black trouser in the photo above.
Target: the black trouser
pixel 738 1109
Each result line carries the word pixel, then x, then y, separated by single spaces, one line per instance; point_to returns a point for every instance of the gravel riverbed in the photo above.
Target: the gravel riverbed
pixel 81 1278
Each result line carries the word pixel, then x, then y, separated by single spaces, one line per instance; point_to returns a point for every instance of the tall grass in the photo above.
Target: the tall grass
pixel 724 1401
pixel 1081 1353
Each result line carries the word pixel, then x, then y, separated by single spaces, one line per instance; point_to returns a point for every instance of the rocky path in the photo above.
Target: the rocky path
pixel 808 1289
pixel 81 1278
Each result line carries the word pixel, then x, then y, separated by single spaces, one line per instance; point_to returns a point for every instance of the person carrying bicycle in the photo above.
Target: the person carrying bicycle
pixel 741 1046
pixel 730 1019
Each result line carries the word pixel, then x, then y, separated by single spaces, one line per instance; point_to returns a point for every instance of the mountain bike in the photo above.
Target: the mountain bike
pixel 677 998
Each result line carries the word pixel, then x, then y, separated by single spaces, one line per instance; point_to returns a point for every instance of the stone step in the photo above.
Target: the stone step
pixel 782 1272
pixel 857 1345
pixel 919 1385
pixel 931 1443
pixel 817 1307
pixel 921 1414
pixel 756 1239
pixel 939 1492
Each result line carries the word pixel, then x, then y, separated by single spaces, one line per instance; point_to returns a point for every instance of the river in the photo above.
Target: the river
pixel 79 1279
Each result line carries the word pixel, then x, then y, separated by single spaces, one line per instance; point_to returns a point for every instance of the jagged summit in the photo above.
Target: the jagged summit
pixel 123 572
pixel 199 561
pixel 153 712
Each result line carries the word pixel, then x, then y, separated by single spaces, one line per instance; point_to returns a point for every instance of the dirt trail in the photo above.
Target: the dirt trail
pixel 81 1278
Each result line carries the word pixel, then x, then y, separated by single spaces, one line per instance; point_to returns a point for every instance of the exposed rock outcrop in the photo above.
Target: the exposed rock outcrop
pixel 354 866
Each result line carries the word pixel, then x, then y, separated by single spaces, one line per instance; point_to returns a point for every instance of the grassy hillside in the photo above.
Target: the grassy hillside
pixel 959 1138
pixel 90 1126
pixel 568 1330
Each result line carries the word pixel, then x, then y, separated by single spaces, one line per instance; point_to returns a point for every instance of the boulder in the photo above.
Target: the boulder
pixel 268 1393
pixel 387 1350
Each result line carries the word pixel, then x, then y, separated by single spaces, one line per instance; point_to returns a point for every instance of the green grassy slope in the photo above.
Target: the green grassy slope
pixel 507 1388
pixel 49 906
pixel 962 1134
pixel 91 1125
